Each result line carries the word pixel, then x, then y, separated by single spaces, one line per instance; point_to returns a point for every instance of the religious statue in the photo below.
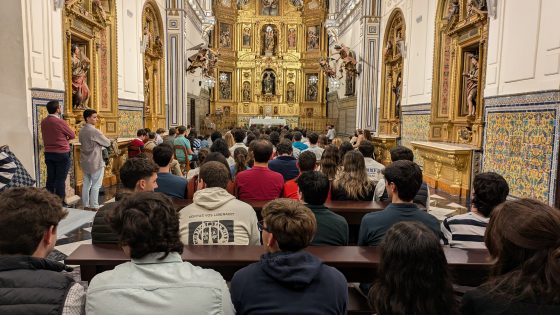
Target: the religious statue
pixel 397 90
pixel 312 37
pixel 197 60
pixel 225 85
pixel 246 37
pixel 298 4
pixel 268 83
pixel 211 63
pixel 225 37
pixel 242 4
pixel 399 41
pixel 453 10
pixel 311 92
pixel 99 12
pixel 326 68
pixel 292 38
pixel 472 85
pixel 350 83
pixel 291 93
pixel 477 6
pixel 80 89
pixel 389 50
pixel 146 89
pixel 246 91
pixel 348 62
pixel 269 7
pixel 269 41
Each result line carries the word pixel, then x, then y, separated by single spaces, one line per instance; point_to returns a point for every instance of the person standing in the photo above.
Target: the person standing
pixel 91 161
pixel 56 133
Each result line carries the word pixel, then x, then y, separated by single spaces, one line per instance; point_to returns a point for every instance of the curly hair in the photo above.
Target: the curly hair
pixel 147 223
pixel 25 214
pixel 413 276
pixel 489 190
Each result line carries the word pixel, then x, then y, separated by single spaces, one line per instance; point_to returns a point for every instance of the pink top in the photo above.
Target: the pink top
pixel 259 183
pixel 56 134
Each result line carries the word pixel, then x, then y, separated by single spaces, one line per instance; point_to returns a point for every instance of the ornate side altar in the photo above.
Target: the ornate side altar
pixel 383 145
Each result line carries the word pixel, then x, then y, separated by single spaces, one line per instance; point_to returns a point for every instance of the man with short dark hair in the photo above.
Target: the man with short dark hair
pixel 151 143
pixel 169 184
pixel 288 279
pixel 170 138
pixel 137 174
pixel 215 216
pixel 284 163
pixel 259 182
pixel 298 144
pixel 306 162
pixel 181 139
pixel 403 180
pixel 215 136
pixel 238 135
pixel 30 283
pixel 313 147
pixel 373 168
pixel 467 230
pixel 56 133
pixel 136 146
pixel 332 229
pixel 92 142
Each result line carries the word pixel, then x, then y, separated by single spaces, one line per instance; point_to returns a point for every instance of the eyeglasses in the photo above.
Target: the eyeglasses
pixel 261 226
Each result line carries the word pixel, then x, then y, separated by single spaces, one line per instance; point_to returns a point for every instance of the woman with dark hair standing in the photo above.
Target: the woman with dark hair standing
pixel 352 182
pixel 413 274
pixel 523 237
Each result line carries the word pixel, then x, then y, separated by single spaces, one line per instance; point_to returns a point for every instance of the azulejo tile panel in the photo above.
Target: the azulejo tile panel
pixel 129 122
pixel 414 128
pixel 521 144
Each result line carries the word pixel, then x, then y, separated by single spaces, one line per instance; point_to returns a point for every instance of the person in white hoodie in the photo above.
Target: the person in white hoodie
pixel 216 216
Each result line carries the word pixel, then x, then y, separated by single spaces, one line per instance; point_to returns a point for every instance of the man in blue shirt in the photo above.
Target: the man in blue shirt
pixel 284 163
pixel 182 140
pixel 169 184
pixel 297 141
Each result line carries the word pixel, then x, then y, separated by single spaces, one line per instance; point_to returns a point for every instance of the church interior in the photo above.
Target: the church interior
pixel 470 86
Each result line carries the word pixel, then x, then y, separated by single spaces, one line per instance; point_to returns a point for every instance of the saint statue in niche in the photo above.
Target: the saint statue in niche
pixel 268 83
pixel 313 37
pixel 225 85
pixel 80 89
pixel 471 86
pixel 269 7
pixel 247 37
pixel 292 38
pixel 291 93
pixel 311 91
pixel 269 41
pixel 225 36
pixel 246 91
pixel 397 90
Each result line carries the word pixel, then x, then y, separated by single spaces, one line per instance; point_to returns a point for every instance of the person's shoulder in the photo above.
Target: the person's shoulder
pixel 335 276
pixel 246 273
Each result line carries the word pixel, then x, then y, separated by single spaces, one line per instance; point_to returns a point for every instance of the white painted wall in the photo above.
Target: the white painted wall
pixel 524 48
pixel 130 58
pixel 194 38
pixel 419 16
pixel 15 122
pixel 353 39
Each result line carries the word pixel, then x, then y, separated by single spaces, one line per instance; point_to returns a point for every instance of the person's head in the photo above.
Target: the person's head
pixel 523 236
pixel 284 147
pixel 489 190
pixel 314 187
pixel 287 225
pixel 202 154
pixel 330 161
pixel 366 148
pixel 220 146
pixel 345 147
pixel 297 136
pixel 289 135
pixel 29 217
pixel 141 134
pixel 400 152
pixel 218 157
pixel 322 141
pixel 241 157
pixel 238 135
pixel 75 49
pixel 404 179
pixel 146 222
pixel 213 174
pixel 228 137
pixel 353 178
pixel 160 131
pixel 90 116
pixel 274 138
pixel 148 130
pixel 215 135
pixel 163 154
pixel 139 174
pixel 151 135
pixel 250 137
pixel 313 138
pixel 367 135
pixel 307 161
pixel 53 107
pixel 336 142
pixel 172 131
pixel 181 130
pixel 412 260
pixel 262 151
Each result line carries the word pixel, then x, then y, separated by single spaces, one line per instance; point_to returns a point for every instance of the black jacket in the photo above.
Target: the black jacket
pixel 101 231
pixel 30 285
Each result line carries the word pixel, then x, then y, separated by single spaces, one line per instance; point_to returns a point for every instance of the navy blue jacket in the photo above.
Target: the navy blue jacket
pixel 285 165
pixel 289 283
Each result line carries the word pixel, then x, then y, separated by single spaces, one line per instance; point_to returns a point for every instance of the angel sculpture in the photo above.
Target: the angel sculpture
pixel 197 60
pixel 212 60
pixel 326 68
pixel 348 62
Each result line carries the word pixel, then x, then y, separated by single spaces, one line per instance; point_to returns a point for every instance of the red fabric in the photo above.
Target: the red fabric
pixel 56 134
pixel 259 183
pixel 291 189
pixel 135 143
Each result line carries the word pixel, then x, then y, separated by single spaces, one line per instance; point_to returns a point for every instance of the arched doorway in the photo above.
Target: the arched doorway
pixel 154 66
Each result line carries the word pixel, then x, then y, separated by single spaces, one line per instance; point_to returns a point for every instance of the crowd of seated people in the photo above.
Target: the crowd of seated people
pixel 280 166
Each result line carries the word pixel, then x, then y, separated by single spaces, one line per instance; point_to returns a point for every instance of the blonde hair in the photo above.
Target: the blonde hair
pixel 229 139
pixel 336 142
pixel 353 178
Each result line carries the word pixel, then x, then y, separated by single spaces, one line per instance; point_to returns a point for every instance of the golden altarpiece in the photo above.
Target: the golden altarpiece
pixel 451 156
pixel 269 53
pixel 90 54
pixel 391 87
